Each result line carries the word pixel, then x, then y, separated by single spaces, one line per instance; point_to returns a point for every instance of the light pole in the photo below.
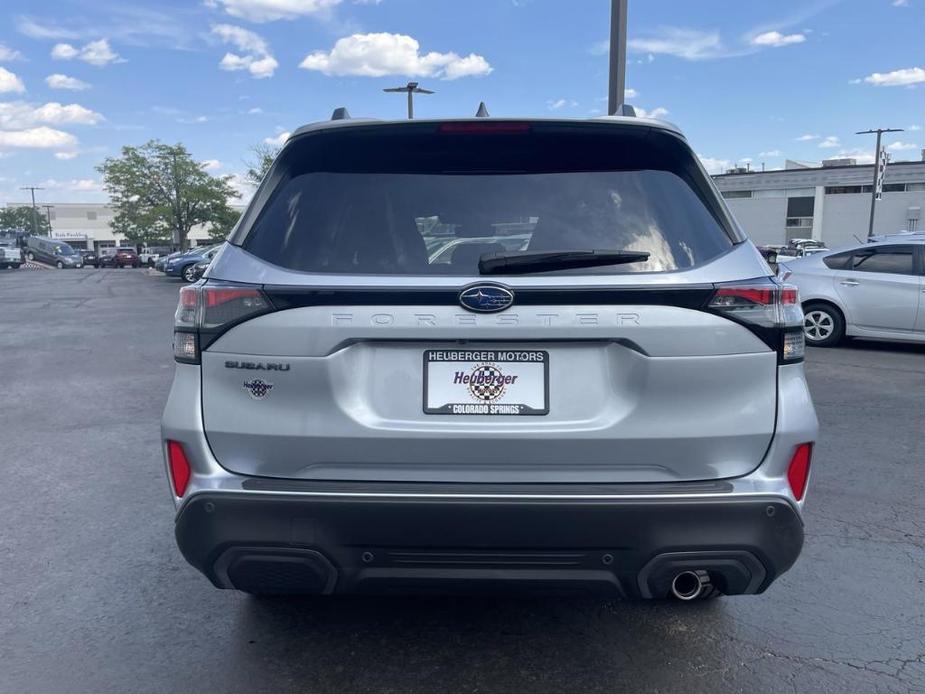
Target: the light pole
pixel 411 88
pixel 873 190
pixel 35 214
pixel 48 209
pixel 617 86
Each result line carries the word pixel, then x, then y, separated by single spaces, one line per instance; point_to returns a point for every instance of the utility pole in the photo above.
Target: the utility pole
pixel 617 87
pixel 48 209
pixel 411 88
pixel 874 193
pixel 35 213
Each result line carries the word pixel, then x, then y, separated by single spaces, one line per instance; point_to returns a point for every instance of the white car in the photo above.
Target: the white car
pixel 874 290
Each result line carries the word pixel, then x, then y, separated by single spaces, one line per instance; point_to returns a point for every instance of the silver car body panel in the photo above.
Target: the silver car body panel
pixel 795 424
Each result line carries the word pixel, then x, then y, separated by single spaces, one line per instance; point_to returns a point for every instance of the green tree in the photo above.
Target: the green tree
pixel 263 157
pixel 160 192
pixel 222 223
pixel 20 218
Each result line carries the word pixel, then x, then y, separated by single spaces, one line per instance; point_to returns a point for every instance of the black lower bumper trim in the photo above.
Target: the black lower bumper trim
pixel 623 547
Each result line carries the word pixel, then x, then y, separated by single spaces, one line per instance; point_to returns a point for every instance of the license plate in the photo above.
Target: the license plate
pixel 499 382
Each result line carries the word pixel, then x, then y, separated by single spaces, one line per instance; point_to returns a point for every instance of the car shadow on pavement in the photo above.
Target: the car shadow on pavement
pixel 493 644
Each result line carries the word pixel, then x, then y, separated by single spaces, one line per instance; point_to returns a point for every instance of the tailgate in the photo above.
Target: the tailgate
pixel 625 394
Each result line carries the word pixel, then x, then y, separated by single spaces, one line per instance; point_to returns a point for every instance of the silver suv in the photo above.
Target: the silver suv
pixel 616 405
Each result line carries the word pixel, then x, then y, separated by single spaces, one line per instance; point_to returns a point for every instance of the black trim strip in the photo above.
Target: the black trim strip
pixel 694 296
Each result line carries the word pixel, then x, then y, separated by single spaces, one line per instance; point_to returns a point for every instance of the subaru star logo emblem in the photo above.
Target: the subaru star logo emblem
pixel 486 298
pixel 257 388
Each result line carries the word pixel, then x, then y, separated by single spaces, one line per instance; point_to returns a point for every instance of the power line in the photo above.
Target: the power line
pixel 878 165
pixel 411 88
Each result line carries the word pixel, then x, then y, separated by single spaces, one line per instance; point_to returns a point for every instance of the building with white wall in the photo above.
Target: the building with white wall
pixel 87 225
pixel 830 203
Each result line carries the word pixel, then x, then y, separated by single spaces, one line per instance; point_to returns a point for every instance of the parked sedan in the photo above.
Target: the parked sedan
pixel 872 290
pixel 89 257
pixel 185 265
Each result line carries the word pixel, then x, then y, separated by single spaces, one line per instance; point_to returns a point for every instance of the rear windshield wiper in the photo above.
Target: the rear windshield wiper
pixel 523 262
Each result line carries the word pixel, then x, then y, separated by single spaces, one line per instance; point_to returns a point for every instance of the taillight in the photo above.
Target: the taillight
pixel 207 310
pixel 798 471
pixel 179 467
pixel 769 309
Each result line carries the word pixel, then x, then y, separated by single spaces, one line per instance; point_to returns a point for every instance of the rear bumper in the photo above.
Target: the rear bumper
pixel 370 543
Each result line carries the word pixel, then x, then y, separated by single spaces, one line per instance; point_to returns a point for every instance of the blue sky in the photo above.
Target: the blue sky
pixel 747 81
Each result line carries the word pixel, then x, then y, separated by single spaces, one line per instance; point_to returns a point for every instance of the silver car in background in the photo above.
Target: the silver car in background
pixel 873 290
pixel 597 387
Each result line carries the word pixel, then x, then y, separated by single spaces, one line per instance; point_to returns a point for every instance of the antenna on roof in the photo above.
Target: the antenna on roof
pixel 340 113
pixel 482 112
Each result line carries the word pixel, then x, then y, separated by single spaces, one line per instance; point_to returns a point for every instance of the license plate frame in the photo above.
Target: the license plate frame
pixel 488 364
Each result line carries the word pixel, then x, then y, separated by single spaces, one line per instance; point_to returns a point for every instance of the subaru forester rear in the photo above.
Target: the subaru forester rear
pixel 484 355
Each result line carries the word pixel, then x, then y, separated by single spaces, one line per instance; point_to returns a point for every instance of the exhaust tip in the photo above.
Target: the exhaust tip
pixel 690 585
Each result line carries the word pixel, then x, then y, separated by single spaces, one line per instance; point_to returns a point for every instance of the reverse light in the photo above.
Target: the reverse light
pixel 179 467
pixel 208 309
pixel 798 471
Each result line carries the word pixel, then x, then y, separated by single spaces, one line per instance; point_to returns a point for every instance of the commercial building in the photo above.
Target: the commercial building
pixel 87 225
pixel 830 202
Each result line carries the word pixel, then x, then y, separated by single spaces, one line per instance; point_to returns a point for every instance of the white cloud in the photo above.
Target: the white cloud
pixel 771 153
pixel 689 44
pixel 807 138
pixel 630 93
pixel 271 10
pixel 9 82
pixel 59 81
pixel 210 164
pixel 381 54
pixel 830 142
pixel 862 156
pixel 7 54
pixel 64 156
pixel 78 185
pixel 97 53
pixel 193 120
pixel 555 105
pixel 277 141
pixel 775 39
pixel 914 128
pixel 714 166
pixel 254 111
pixel 37 138
pixel 897 78
pixel 900 3
pixel 17 115
pixel 255 54
pixel 657 112
pixel 901 146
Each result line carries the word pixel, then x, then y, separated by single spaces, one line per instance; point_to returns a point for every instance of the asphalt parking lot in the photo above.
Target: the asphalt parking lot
pixel 95 597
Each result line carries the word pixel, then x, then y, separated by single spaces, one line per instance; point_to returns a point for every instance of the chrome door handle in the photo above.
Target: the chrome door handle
pixel 850 283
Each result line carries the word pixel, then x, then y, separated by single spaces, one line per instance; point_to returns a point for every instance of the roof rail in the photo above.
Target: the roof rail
pixel 482 112
pixel 340 113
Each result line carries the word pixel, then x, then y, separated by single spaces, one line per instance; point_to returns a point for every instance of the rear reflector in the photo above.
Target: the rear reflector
pixel 798 472
pixel 179 467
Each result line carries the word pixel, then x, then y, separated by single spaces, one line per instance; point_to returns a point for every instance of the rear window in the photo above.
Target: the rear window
pixel 415 201
pixel 839 261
